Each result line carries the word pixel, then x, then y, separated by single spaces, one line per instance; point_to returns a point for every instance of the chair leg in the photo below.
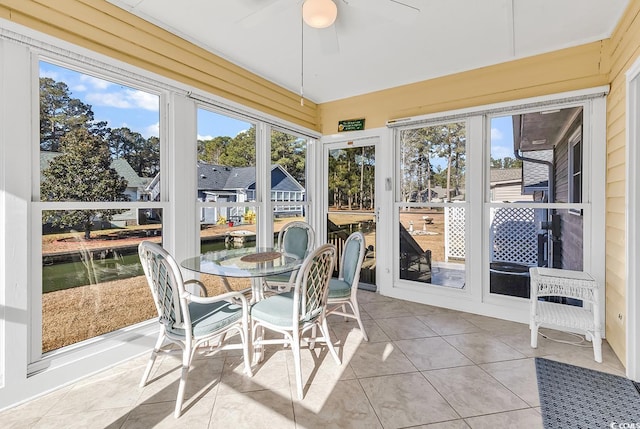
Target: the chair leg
pixel 597 346
pixel 258 348
pixel 246 349
pixel 186 361
pixel 312 341
pixel 324 328
pixel 534 335
pixel 356 312
pixel 295 348
pixel 344 310
pixel 152 359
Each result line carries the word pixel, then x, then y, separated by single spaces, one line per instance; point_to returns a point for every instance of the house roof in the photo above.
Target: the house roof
pixel 122 167
pixel 501 175
pixel 125 170
pixel 215 177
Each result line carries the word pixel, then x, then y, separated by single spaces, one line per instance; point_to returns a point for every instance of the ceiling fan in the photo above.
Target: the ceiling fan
pixel 397 10
pixel 329 27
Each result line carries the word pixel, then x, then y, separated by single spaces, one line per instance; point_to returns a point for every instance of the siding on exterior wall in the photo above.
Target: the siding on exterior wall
pixel 623 49
pixel 568 250
pixel 109 30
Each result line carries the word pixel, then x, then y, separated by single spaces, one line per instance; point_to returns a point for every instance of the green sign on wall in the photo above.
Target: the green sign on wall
pixel 351 125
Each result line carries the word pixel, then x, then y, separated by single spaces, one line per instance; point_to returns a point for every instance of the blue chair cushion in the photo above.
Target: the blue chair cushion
pixel 276 310
pixel 296 241
pixel 279 278
pixel 339 289
pixel 210 317
pixel 350 260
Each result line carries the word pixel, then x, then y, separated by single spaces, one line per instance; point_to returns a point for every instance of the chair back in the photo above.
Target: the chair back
pixel 312 284
pixel 296 238
pixel 166 284
pixel 352 257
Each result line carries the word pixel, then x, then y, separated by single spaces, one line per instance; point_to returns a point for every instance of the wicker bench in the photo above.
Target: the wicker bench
pixel 547 282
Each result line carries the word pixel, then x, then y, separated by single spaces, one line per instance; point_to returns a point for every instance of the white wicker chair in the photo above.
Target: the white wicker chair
pixel 296 238
pixel 569 284
pixel 298 311
pixel 187 320
pixel 343 290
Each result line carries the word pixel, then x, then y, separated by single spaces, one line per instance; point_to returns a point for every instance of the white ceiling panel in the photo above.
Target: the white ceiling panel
pixel 378 44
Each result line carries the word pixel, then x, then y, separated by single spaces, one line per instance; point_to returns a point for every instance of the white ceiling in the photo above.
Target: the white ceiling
pixel 378 44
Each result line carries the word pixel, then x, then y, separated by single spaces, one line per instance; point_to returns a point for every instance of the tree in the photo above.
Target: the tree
pixel 81 172
pixel 142 154
pixel 289 151
pixel 60 114
pixel 242 150
pixel 211 151
pixel 506 162
pixel 450 141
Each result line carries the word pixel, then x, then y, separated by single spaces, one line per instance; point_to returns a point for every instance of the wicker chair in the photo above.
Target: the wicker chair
pixel 296 238
pixel 187 320
pixel 298 311
pixel 551 282
pixel 343 290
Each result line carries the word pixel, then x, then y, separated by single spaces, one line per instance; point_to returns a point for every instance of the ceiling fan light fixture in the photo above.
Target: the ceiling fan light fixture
pixel 319 13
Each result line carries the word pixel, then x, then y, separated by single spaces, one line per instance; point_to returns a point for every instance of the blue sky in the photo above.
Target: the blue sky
pixel 122 106
pixel 501 137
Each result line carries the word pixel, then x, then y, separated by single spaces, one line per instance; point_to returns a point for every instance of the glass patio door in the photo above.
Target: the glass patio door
pixel 351 201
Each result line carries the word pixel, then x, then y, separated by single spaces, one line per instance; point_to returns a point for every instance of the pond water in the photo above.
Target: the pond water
pixel 120 266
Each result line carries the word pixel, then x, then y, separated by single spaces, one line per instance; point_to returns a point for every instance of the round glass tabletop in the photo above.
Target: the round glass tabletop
pixel 244 262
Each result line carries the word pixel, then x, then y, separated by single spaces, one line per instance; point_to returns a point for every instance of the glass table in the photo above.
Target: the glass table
pixel 250 262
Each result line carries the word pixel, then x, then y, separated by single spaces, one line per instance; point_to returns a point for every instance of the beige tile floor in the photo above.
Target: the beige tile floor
pixel 424 367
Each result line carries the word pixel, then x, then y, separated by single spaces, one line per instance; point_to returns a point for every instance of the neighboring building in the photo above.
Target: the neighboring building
pixel 506 185
pixel 554 141
pixel 136 186
pixel 221 183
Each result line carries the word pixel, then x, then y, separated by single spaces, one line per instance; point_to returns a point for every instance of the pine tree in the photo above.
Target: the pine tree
pixel 81 172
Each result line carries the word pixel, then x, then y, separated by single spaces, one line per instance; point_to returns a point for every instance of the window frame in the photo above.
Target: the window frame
pixel 477 300
pixel 576 140
pixel 38 360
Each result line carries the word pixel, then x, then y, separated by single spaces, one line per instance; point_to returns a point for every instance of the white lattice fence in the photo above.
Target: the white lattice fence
pixel 454 233
pixel 514 236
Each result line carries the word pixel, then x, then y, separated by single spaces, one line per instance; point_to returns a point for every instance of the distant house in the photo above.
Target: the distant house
pixel 221 183
pixel 224 184
pixel 441 194
pixel 506 185
pixel 135 190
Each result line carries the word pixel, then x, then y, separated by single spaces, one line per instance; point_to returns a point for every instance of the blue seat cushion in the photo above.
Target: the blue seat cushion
pixel 276 310
pixel 211 317
pixel 339 289
pixel 279 278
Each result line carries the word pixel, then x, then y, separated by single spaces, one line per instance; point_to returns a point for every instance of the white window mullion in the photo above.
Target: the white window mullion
pixel 474 202
pixel 263 184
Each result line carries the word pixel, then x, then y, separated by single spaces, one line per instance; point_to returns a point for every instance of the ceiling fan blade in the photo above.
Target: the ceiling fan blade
pixel 329 40
pixel 396 10
pixel 260 11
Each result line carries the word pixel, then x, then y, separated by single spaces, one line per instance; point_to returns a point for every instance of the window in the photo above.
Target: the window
pixel 432 209
pixel 536 161
pixel 226 187
pixel 99 158
pixel 288 178
pixel 575 167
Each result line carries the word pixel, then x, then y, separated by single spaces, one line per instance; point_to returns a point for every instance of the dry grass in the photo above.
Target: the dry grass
pixel 77 314
pixel 73 315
